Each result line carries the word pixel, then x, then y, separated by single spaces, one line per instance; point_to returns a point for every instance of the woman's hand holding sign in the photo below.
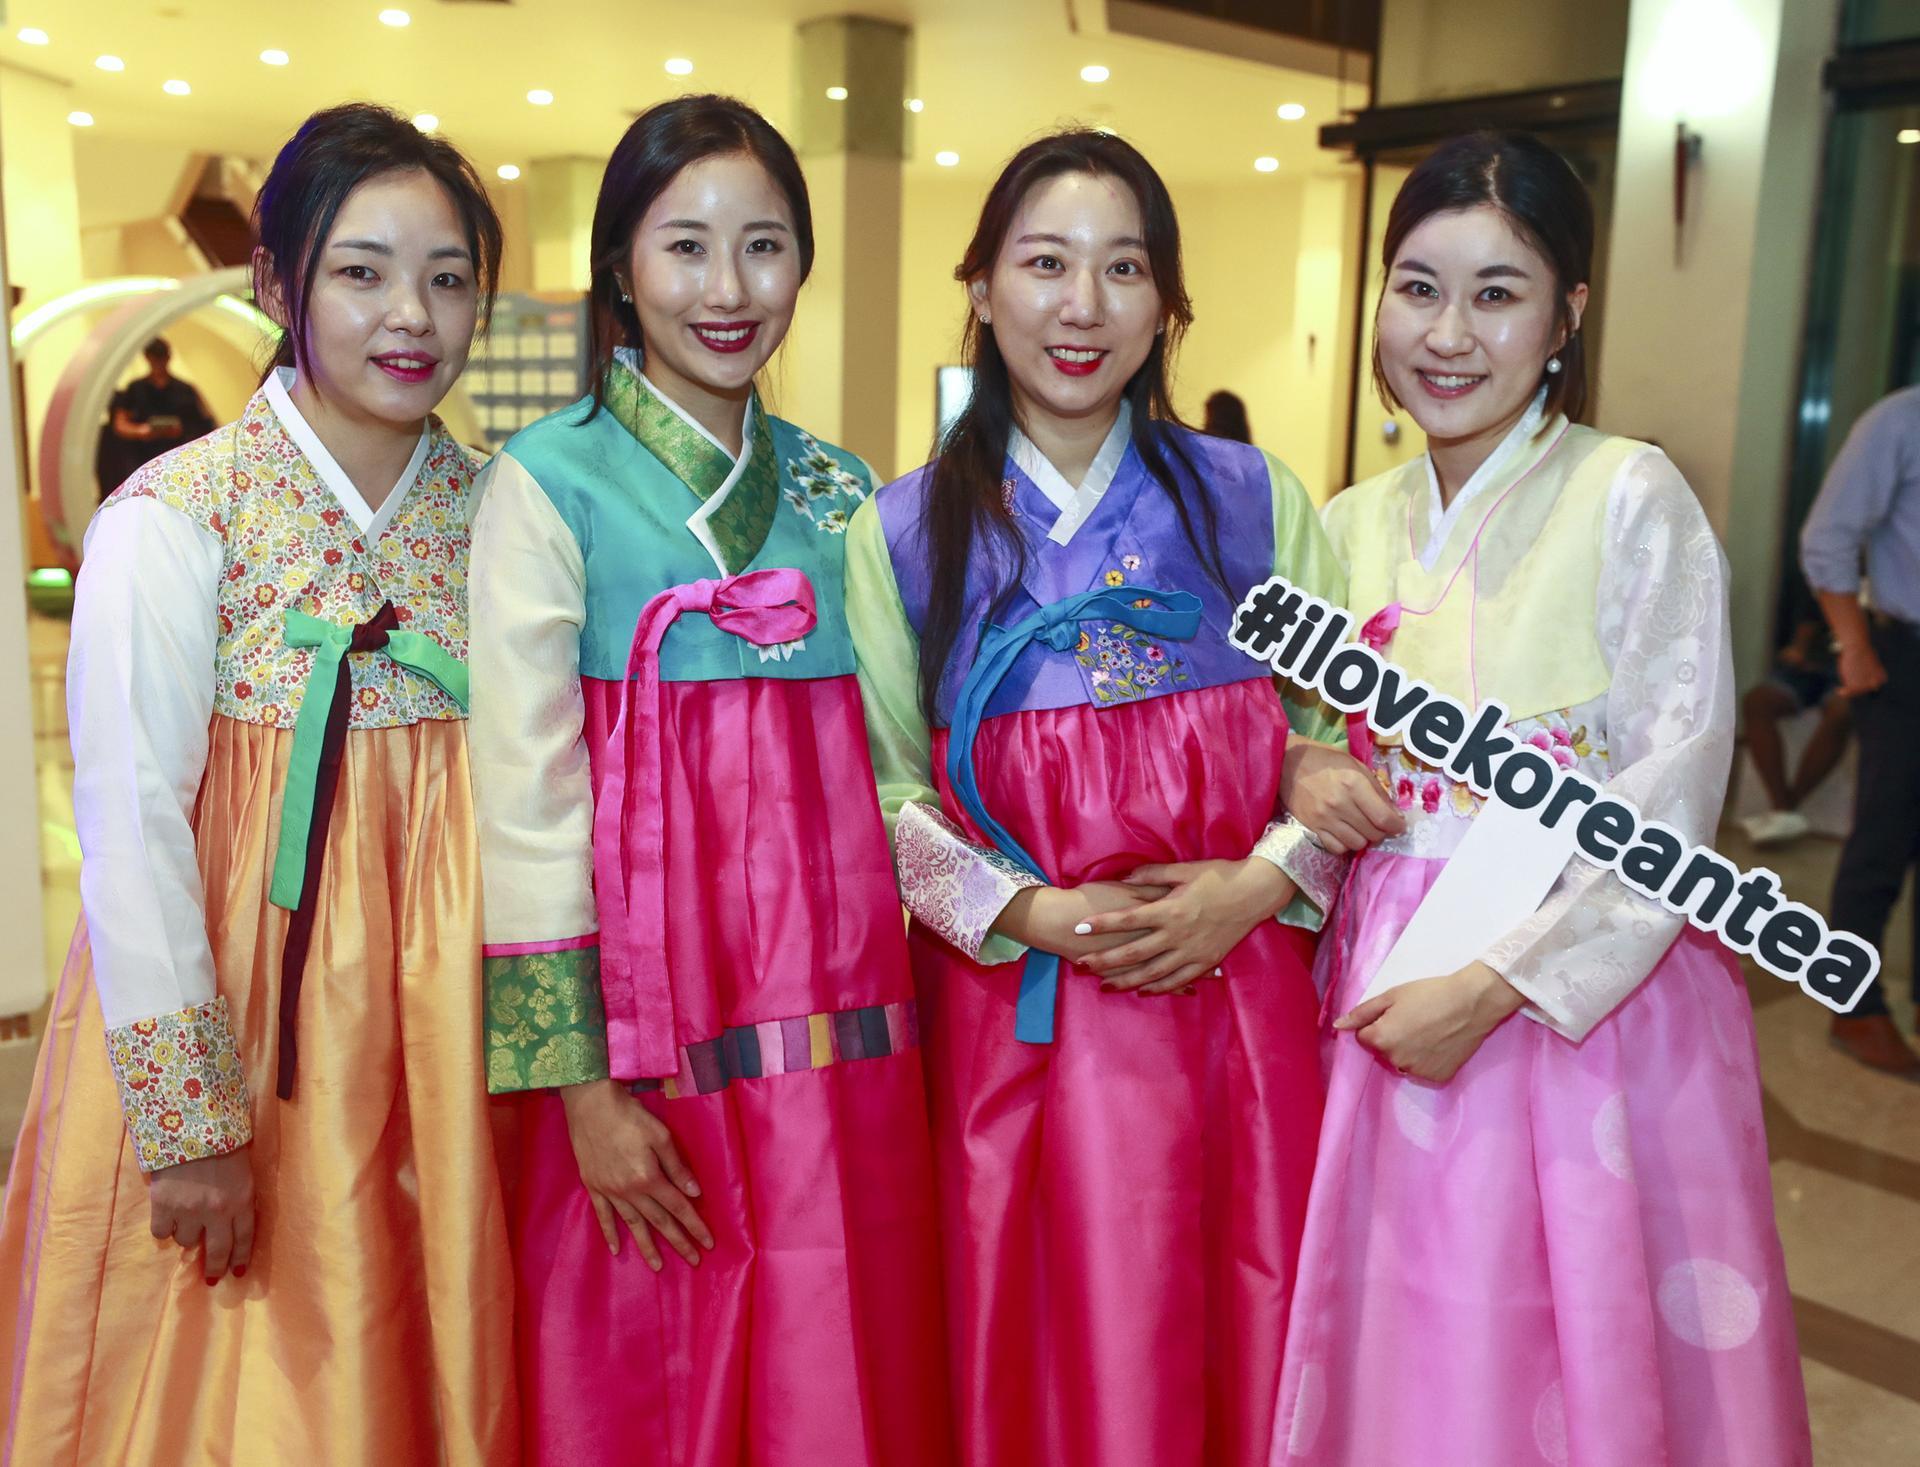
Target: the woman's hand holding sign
pixel 1429 1028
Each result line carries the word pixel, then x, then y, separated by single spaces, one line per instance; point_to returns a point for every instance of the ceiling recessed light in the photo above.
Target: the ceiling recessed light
pixel 275 57
pixel 1292 111
pixel 1266 165
pixel 33 36
pixel 395 18
pixel 540 97
pixel 508 171
pixel 426 122
pixel 1094 73
pixel 679 66
pixel 836 94
pixel 176 88
pixel 80 119
pixel 914 104
pixel 109 63
pixel 947 158
pixel 1908 135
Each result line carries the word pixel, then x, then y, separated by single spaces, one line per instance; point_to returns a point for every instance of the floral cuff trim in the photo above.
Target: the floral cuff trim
pixel 181 1087
pixel 1317 872
pixel 951 885
pixel 546 1021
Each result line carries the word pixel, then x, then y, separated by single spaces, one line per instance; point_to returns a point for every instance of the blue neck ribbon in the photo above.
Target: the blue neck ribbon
pixel 1171 616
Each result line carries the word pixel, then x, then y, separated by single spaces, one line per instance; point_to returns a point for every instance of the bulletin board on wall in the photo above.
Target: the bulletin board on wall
pixel 530 363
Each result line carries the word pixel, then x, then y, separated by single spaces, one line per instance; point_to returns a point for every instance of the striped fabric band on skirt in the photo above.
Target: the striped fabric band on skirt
pixel 783 1046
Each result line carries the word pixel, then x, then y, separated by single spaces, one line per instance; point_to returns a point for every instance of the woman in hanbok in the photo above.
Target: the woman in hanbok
pixel 261 1072
pixel 1541 1228
pixel 696 970
pixel 1082 778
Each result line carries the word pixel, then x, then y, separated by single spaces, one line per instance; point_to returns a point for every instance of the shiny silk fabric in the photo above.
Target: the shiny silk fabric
pixel 811 1333
pixel 374 1323
pixel 1565 1256
pixel 1121 1209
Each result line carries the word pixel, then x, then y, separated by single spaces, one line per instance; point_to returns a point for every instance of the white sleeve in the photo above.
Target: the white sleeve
pixel 139 699
pixel 140 681
pixel 1664 631
pixel 533 792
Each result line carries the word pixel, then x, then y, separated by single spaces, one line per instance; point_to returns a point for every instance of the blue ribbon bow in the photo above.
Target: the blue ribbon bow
pixel 1174 616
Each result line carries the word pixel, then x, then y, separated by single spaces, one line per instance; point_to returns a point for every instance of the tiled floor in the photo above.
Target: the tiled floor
pixel 1845 1142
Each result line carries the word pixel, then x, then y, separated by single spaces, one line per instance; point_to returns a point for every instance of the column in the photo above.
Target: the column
pixel 1703 333
pixel 839 375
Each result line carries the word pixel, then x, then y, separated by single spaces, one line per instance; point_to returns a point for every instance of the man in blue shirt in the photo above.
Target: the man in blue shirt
pixel 1868 517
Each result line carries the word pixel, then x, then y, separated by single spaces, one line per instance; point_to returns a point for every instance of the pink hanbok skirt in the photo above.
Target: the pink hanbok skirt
pixel 1566 1256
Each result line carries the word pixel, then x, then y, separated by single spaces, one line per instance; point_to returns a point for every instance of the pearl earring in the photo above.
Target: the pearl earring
pixel 1553 365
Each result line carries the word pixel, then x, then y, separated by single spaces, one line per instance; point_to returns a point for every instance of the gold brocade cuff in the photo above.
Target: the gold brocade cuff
pixel 1316 873
pixel 181 1087
pixel 546 1019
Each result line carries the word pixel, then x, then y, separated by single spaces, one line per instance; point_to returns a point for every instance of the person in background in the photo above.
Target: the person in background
pixel 149 416
pixel 1227 418
pixel 1803 677
pixel 1868 514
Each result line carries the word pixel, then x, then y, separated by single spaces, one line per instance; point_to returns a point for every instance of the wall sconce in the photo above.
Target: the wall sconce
pixel 1686 155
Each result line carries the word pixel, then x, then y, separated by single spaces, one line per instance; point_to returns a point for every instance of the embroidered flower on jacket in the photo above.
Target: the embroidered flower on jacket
pixel 823 489
pixel 1115 578
pixel 1130 562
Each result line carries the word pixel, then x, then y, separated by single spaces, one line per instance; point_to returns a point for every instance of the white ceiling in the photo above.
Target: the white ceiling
pixel 991 74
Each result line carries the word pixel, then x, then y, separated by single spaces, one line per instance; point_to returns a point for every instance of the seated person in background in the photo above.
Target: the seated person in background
pixel 1802 677
pixel 148 417
pixel 1227 418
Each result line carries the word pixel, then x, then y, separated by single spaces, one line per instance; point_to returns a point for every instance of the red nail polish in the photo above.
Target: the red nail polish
pixel 240 1272
pixel 211 1282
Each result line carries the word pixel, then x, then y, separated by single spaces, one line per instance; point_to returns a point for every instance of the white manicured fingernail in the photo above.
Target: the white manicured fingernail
pixel 1081 929
pixel 1216 972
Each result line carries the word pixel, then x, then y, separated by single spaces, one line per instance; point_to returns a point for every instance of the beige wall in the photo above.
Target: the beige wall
pixel 1702 354
pixel 1431 49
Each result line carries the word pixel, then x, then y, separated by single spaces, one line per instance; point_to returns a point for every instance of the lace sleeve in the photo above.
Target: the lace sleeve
pixel 1664 631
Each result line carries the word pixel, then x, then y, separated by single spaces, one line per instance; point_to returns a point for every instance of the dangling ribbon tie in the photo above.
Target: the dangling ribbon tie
pixel 313 776
pixel 1174 616
pixel 1376 634
pixel 629 850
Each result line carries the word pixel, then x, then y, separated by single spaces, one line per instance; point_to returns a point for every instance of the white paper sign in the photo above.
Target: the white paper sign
pixel 1496 879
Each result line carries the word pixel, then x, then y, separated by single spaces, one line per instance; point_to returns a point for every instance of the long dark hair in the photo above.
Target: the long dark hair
pixel 1227 417
pixel 1542 198
pixel 333 153
pixel 965 513
pixel 663 140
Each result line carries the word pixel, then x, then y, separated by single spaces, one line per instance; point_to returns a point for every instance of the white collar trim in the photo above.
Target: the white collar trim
pixel 710 506
pixel 372 522
pixel 1440 521
pixel 1076 504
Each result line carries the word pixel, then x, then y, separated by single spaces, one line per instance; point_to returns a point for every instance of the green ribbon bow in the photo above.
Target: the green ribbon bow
pixel 331 643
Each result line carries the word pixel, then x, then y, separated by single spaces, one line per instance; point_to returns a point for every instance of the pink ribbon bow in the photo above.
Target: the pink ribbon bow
pixel 629 855
pixel 1376 634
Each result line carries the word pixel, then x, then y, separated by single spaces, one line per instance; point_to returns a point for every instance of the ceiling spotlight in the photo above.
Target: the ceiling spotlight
pixel 33 36
pixel 679 66
pixel 947 158
pixel 914 104
pixel 1907 135
pixel 175 88
pixel 80 119
pixel 275 57
pixel 426 122
pixel 1094 73
pixel 395 18
pixel 109 63
pixel 836 94
pixel 540 97
pixel 1266 165
pixel 1292 111
pixel 508 171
